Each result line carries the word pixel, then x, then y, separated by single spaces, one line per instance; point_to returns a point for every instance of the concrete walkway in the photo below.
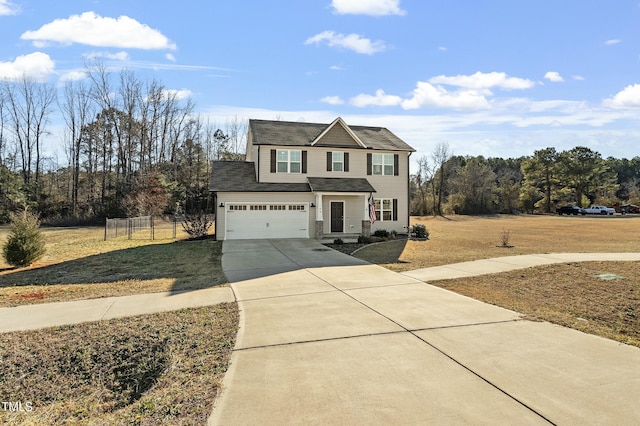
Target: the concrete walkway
pixel 30 317
pixel 358 344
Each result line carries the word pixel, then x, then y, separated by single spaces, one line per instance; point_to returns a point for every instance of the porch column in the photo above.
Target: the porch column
pixel 319 206
pixel 319 221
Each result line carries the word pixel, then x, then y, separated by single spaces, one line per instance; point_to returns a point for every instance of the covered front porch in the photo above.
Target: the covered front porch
pixel 341 207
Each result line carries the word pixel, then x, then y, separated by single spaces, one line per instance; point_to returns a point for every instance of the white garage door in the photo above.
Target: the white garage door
pixel 256 220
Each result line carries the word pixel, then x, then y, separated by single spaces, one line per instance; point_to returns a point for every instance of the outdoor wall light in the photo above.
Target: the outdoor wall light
pixel 313 205
pixel 221 204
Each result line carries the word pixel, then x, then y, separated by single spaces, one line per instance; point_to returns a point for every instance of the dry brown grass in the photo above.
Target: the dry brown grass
pixel 569 294
pixel 155 369
pixel 80 265
pixel 462 238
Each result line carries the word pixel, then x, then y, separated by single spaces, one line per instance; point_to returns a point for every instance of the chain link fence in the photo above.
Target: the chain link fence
pixel 142 228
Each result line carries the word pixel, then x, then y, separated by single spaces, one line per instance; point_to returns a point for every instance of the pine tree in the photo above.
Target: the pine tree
pixel 26 243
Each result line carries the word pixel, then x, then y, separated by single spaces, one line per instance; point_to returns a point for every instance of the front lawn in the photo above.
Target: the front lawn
pixel 572 295
pixel 160 369
pixel 80 265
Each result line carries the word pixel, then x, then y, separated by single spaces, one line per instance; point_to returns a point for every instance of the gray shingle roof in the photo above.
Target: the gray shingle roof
pixel 340 185
pixel 240 176
pixel 288 133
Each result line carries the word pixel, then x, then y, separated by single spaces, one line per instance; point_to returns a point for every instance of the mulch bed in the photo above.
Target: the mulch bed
pixel 349 248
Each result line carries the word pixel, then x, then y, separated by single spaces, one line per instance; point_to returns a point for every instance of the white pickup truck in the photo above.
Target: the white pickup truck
pixel 604 210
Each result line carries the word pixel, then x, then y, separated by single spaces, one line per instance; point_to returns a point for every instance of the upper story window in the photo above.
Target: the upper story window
pixel 289 161
pixel 338 161
pixel 382 164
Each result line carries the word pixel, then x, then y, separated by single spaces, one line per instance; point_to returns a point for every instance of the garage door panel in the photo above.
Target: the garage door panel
pixel 245 221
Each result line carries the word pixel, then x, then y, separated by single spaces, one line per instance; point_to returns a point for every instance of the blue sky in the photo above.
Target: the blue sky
pixel 496 78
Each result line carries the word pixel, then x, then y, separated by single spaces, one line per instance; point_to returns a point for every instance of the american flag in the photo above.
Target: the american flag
pixel 372 209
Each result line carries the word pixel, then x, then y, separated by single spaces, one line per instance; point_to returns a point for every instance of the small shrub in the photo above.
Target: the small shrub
pixel 363 239
pixel 338 241
pixel 393 234
pixel 197 226
pixel 420 231
pixel 381 233
pixel 505 238
pixel 26 243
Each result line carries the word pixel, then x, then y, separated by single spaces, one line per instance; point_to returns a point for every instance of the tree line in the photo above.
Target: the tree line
pixel 446 183
pixel 131 147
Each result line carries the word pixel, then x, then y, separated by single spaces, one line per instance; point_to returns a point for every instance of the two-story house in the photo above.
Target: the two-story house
pixel 308 180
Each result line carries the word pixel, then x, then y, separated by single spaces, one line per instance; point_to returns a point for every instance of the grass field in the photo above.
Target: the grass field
pixel 460 238
pixel 80 265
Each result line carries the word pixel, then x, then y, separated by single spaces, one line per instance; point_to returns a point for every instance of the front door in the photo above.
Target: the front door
pixel 337 216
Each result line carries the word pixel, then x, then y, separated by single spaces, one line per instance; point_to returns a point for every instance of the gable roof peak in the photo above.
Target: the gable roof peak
pixel 343 124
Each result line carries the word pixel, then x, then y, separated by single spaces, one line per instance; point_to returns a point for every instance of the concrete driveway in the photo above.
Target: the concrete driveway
pixel 327 339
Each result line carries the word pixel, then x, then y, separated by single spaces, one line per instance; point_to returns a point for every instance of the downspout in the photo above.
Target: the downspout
pixel 215 215
pixel 258 166
pixel 408 192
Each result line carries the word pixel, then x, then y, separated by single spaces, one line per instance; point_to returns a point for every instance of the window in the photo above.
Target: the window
pixel 258 207
pixel 277 207
pixel 382 164
pixel 298 207
pixel 338 161
pixel 237 207
pixel 289 161
pixel 384 209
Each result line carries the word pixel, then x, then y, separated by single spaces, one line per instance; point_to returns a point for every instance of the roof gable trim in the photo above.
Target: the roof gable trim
pixel 344 126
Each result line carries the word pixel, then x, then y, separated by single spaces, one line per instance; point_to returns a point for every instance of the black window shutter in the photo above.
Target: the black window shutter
pixel 396 163
pixel 329 161
pixel 346 161
pixel 273 161
pixel 369 164
pixel 304 161
pixel 395 209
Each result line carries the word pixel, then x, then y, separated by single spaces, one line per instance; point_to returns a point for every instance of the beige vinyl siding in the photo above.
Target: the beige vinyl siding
pixel 263 197
pixel 316 164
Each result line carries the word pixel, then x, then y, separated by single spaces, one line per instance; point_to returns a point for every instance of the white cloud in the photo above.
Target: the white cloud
pixel 367 7
pixel 379 99
pixel 118 56
pixel 350 41
pixel 94 30
pixel 481 80
pixel 332 100
pixel 170 57
pixel 553 76
pixel 442 48
pixel 73 76
pixel 426 94
pixel 629 97
pixel 177 95
pixel 8 8
pixel 612 42
pixel 578 77
pixel 336 68
pixel 35 65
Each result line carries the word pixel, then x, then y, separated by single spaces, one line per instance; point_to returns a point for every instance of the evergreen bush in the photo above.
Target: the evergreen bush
pixel 26 243
pixel 420 231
